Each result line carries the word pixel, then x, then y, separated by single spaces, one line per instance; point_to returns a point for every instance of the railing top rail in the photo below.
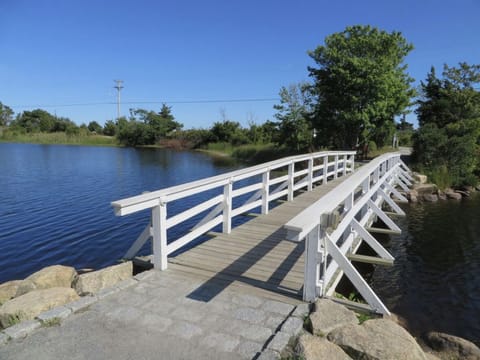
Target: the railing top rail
pixel 218 180
pixel 308 218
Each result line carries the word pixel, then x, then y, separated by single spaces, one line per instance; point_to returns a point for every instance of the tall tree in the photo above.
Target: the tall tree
pixel 295 131
pixel 360 85
pixel 6 115
pixel 449 117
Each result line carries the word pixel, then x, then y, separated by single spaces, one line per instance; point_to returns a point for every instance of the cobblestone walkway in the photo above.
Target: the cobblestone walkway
pixel 167 315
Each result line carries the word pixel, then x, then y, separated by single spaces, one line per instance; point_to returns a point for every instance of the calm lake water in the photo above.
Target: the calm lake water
pixel 55 209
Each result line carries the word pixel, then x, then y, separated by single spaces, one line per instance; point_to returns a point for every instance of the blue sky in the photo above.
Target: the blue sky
pixel 55 53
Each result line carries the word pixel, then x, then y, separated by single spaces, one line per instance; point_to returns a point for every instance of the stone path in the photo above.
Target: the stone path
pixel 154 316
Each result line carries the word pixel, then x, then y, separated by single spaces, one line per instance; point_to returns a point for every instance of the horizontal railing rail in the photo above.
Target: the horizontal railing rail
pixel 261 184
pixel 335 226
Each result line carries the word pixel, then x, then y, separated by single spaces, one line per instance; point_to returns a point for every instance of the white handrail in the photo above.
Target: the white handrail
pixel 220 207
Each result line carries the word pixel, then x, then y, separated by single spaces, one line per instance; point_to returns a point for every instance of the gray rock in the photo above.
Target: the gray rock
pixel 249 349
pixel 3 338
pixel 313 347
pixel 269 355
pixel 250 315
pixel 423 189
pixel 302 311
pixel 377 339
pixel 442 195
pixel 93 282
pixel 277 307
pixel 30 305
pixel 419 178
pixel 49 277
pixel 220 342
pixel 453 195
pixel 23 329
pixel 413 199
pixel 8 290
pixel 453 347
pixel 430 197
pixel 329 315
pixel 82 303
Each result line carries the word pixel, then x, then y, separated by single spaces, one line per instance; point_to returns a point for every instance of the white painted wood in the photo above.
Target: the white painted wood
pixel 177 244
pixel 121 210
pixel 360 284
pixel 370 240
pixel 159 224
pixel 279 179
pixel 244 208
pixel 291 179
pixel 335 167
pixel 141 240
pixel 278 195
pixel 393 205
pixel 396 193
pixel 344 165
pixel 265 191
pixel 390 224
pixel 301 173
pixel 310 292
pixel 325 168
pixel 212 214
pixel 227 208
pixel 187 214
pixel 246 189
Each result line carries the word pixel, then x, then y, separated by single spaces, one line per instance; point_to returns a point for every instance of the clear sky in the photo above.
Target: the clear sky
pixel 58 53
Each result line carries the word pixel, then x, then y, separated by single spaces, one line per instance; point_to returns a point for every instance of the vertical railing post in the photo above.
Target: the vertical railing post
pixel 352 163
pixel 159 224
pixel 291 180
pixel 265 191
pixel 310 174
pixel 344 165
pixel 335 175
pixel 312 265
pixel 227 207
pixel 325 169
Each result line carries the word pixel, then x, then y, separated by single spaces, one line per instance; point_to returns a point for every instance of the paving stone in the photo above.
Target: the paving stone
pixel 82 303
pixel 130 298
pixel 60 312
pixel 247 300
pixel 249 349
pixel 185 329
pixel 277 307
pixel 252 332
pixel 144 275
pixel 124 313
pixel 3 338
pixel 221 342
pixel 279 341
pixel 23 329
pixel 274 321
pixel 253 316
pixel 124 284
pixel 292 326
pixel 269 355
pixel 158 306
pixel 107 292
pixel 156 322
pixel 188 314
pixel 302 311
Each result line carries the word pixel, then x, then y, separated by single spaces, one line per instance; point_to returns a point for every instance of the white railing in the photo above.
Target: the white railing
pixel 265 183
pixel 335 226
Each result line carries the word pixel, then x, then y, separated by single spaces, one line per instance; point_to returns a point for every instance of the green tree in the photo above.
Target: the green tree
pixel 294 128
pixel 360 85
pixel 449 117
pixel 109 128
pixel 94 126
pixel 6 115
pixel 158 125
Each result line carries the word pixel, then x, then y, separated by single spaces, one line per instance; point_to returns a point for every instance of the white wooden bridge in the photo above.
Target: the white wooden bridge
pixel 309 216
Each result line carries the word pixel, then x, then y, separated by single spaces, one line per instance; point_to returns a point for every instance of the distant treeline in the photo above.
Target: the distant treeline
pixel 358 87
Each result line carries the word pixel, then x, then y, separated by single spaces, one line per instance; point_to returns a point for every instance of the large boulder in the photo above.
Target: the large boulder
pixel 92 282
pixel 430 197
pixel 453 195
pixel 8 290
pixel 311 347
pixel 452 347
pixel 30 305
pixel 380 339
pixel 329 315
pixel 49 277
pixel 419 178
pixel 423 189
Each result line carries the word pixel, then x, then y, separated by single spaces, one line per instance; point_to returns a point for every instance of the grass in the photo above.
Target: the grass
pixel 14 319
pixel 59 138
pixel 51 322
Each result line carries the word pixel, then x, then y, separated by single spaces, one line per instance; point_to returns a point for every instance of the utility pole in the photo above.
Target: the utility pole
pixel 118 86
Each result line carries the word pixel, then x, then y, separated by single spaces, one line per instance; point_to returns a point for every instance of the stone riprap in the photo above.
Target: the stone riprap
pixel 95 281
pixel 46 278
pixel 161 315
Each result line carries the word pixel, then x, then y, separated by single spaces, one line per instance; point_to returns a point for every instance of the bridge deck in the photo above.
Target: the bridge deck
pixel 256 254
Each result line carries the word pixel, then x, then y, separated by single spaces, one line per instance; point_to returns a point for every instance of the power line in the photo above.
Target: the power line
pixel 151 102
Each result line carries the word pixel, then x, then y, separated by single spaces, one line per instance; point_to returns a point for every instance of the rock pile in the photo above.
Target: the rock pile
pixel 51 287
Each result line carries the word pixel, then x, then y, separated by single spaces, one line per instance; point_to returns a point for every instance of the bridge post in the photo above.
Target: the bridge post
pixel 159 224
pixel 310 174
pixel 227 208
pixel 344 165
pixel 335 175
pixel 325 169
pixel 265 191
pixel 291 180
pixel 312 266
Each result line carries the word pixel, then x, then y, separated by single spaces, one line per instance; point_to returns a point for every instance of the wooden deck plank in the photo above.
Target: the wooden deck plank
pixel 256 253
